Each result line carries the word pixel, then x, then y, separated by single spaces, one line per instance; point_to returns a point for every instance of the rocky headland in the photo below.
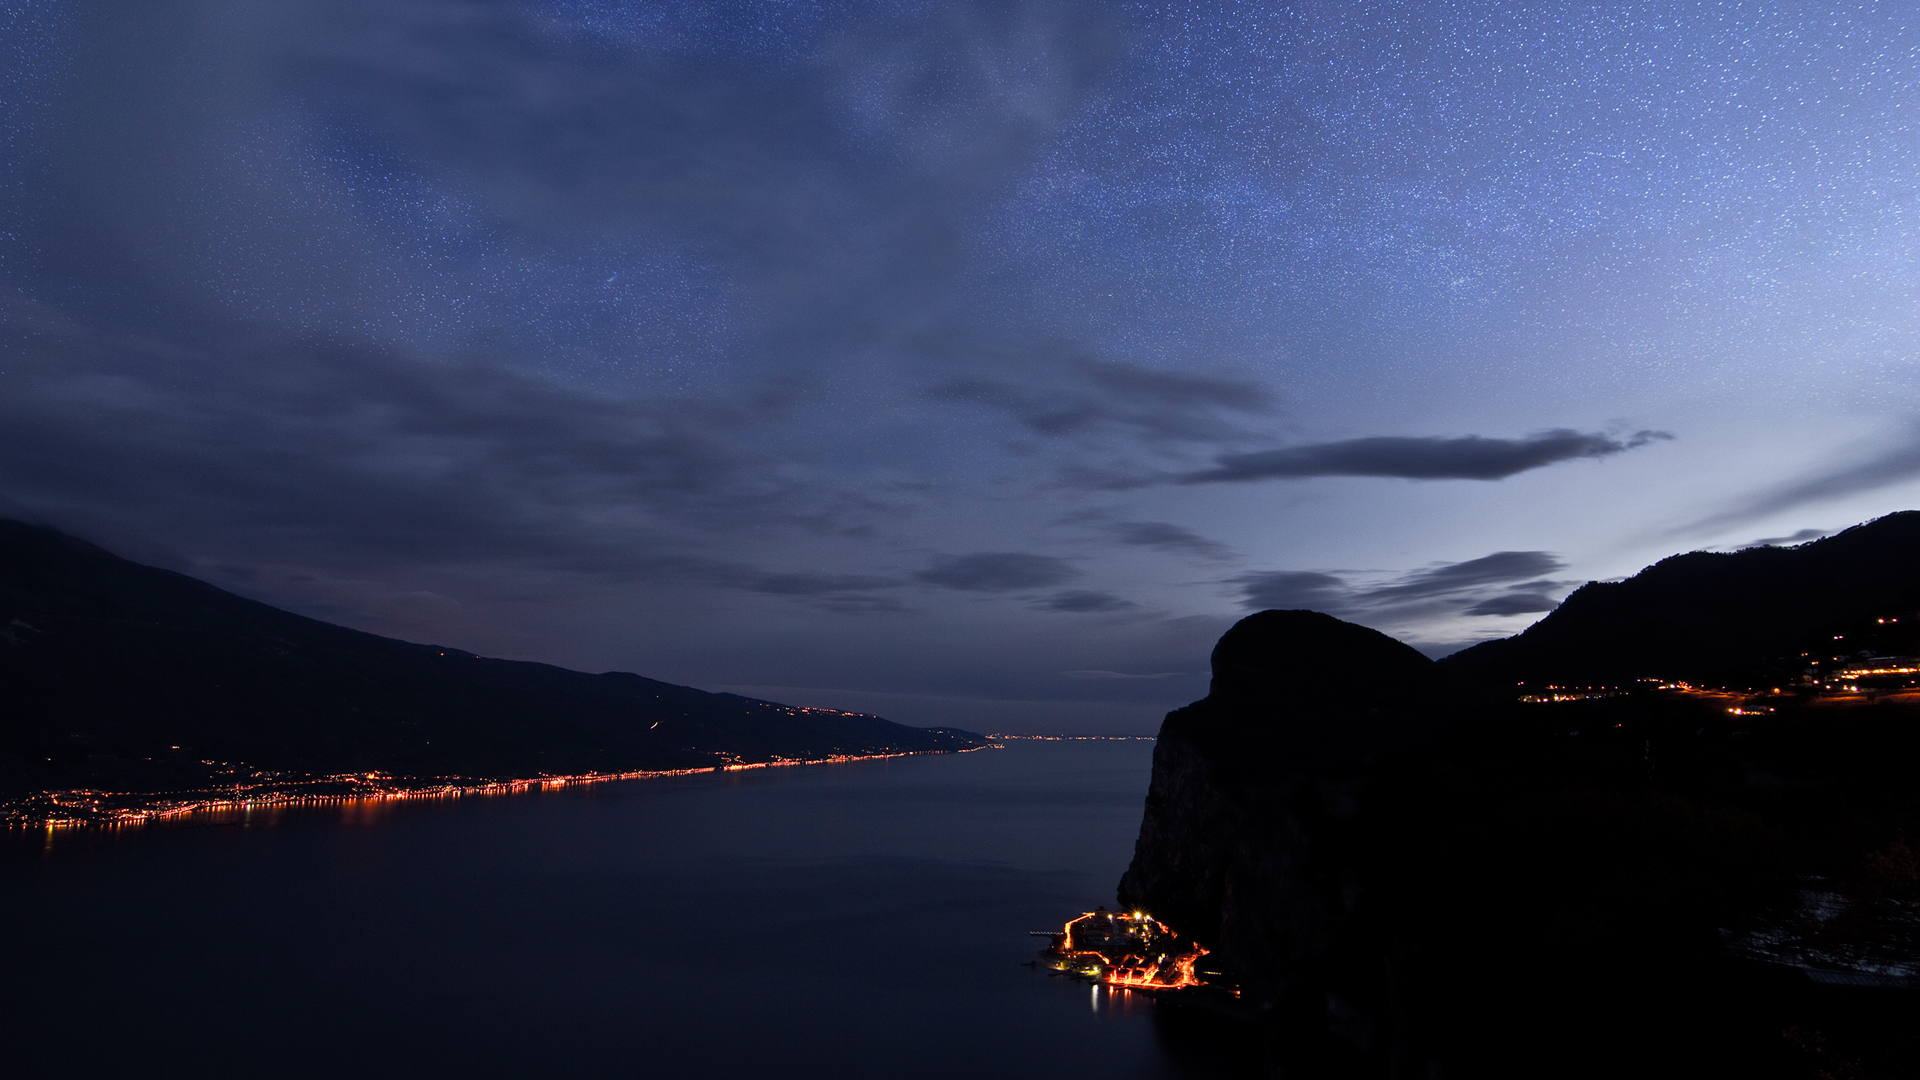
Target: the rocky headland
pixel 1417 869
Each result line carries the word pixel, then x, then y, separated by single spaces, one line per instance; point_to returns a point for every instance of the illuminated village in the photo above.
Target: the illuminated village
pixel 1125 949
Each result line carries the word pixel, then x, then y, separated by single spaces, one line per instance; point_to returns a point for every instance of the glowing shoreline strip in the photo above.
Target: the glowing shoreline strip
pixel 136 817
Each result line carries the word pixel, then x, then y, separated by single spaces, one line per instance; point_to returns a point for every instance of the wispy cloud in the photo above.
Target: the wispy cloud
pixel 1496 584
pixel 1471 457
pixel 1896 464
pixel 996 571
pixel 1295 589
pixel 1514 603
pixel 1163 536
pixel 1059 394
pixel 1076 600
pixel 1800 537
pixel 306 449
pixel 1501 566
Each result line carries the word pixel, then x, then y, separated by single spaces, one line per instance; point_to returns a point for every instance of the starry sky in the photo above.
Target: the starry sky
pixel 968 363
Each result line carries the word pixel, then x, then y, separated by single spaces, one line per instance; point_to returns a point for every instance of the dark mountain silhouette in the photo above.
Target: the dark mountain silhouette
pixel 1236 846
pixel 1306 658
pixel 1710 616
pixel 1406 869
pixel 125 677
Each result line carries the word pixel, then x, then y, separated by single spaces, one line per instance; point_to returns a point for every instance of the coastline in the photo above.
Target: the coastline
pixel 84 808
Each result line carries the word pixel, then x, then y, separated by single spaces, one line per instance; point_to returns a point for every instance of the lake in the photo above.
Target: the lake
pixel 853 920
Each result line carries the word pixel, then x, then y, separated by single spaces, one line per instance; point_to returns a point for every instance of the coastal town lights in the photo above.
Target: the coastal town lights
pixel 1131 950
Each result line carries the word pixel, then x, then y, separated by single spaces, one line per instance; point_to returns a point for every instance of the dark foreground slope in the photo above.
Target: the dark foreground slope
pixel 1408 878
pixel 124 677
pixel 1708 616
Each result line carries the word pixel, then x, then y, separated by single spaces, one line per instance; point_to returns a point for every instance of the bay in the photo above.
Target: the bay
pixel 866 919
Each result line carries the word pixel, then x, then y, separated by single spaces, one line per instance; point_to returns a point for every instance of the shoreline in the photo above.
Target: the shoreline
pixel 85 808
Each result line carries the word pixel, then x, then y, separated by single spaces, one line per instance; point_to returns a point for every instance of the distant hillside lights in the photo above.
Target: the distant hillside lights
pixel 1824 672
pixel 1866 671
pixel 1552 693
pixel 1872 674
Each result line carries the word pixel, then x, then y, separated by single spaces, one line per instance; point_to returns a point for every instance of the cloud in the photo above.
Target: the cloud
pixel 352 454
pixel 1162 536
pixel 1465 585
pixel 328 304
pixel 996 571
pixel 1800 537
pixel 1113 676
pixel 842 593
pixel 1060 395
pixel 802 584
pixel 1084 601
pixel 1469 458
pixel 1501 566
pixel 1294 589
pixel 1515 603
pixel 859 604
pixel 752 153
pixel 1897 464
pixel 672 193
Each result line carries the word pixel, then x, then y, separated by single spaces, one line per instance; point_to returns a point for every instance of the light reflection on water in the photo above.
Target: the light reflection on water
pixel 866 919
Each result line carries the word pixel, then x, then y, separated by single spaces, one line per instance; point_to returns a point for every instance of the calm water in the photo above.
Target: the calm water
pixel 856 920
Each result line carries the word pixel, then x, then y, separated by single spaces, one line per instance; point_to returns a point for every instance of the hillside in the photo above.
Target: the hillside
pixel 1709 616
pixel 128 678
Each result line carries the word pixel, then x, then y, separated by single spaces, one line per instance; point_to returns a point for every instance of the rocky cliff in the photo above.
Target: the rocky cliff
pixel 1256 836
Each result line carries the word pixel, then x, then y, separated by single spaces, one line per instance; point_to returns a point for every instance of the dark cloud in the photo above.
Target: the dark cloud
pixel 1470 458
pixel 720 189
pixel 1162 536
pixel 1064 395
pixel 1290 589
pixel 1515 603
pixel 858 604
pixel 1084 601
pixel 996 571
pixel 1433 590
pixel 845 594
pixel 790 584
pixel 351 453
pixel 1800 537
pixel 1501 566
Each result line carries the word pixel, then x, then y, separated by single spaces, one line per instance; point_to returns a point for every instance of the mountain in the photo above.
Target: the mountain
pixel 1712 617
pixel 1405 869
pixel 128 678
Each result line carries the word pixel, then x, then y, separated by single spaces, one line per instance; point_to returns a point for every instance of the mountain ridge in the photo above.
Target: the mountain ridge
pixel 1710 615
pixel 1403 868
pixel 135 678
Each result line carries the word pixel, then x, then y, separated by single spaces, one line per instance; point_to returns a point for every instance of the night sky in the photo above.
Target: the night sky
pixel 968 363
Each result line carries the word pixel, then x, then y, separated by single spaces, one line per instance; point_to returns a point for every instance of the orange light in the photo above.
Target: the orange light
pixel 365 790
pixel 1145 955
